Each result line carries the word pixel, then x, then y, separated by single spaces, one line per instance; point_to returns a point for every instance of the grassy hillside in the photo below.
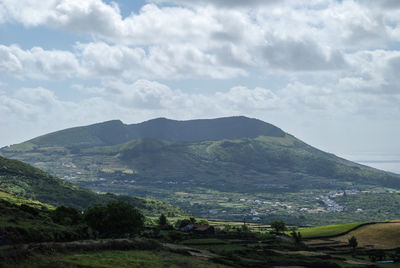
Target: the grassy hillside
pixel 24 220
pixel 32 183
pixel 380 235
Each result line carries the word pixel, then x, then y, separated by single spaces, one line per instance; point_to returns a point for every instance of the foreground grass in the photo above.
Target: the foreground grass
pixel 328 230
pixel 118 258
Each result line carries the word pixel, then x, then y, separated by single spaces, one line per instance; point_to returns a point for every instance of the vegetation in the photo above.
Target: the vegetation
pixel 382 235
pixel 23 220
pixel 162 220
pixel 29 182
pixel 278 226
pixel 353 242
pixel 296 236
pixel 239 247
pixel 115 219
pixel 329 230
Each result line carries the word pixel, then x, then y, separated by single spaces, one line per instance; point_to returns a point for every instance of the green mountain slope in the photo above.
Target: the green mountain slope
pixel 29 182
pixel 226 168
pixel 240 165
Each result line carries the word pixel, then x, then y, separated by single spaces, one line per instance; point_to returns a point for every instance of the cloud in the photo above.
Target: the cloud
pixel 373 72
pixel 219 40
pixel 37 63
pixel 100 60
pixel 241 99
pixel 220 3
pixel 303 55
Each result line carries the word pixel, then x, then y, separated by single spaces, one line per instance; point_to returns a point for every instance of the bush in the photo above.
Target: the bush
pixel 66 216
pixel 115 220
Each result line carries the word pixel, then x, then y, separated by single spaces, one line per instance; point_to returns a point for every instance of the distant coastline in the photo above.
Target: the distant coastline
pixel 385 161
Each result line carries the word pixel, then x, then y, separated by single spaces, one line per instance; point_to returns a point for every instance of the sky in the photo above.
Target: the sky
pixel 325 71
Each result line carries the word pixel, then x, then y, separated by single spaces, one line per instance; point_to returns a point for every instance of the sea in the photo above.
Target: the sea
pixel 384 161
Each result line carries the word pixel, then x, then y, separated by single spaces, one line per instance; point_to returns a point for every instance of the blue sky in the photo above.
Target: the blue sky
pixel 325 71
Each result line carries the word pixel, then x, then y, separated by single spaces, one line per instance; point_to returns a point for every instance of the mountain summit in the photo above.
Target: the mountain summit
pixel 115 132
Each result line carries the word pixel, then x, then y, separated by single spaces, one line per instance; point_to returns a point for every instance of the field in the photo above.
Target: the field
pixel 380 235
pixel 328 230
pixel 120 258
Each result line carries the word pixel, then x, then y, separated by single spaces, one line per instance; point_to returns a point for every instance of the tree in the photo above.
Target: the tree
pixel 95 217
pixel 279 226
pixel 353 242
pixel 66 216
pixel 162 220
pixel 245 228
pixel 123 218
pixel 115 220
pixel 296 236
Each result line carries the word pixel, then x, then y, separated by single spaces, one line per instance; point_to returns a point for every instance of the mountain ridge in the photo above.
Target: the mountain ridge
pixel 116 132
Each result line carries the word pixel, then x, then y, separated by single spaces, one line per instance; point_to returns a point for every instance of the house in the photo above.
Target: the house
pixel 199 229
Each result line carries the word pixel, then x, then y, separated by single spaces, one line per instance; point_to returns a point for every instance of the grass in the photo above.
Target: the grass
pixel 380 235
pixel 17 200
pixel 208 241
pixel 328 230
pixel 118 258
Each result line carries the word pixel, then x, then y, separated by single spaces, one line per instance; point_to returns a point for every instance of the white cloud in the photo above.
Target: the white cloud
pixel 100 60
pixel 37 63
pixel 213 40
pixel 241 99
pixel 373 72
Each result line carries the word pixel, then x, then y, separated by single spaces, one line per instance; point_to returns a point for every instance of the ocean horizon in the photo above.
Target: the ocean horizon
pixel 384 161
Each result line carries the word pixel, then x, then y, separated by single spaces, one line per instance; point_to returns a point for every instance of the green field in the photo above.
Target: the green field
pixel 328 230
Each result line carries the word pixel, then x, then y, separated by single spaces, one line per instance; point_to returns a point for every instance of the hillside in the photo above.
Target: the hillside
pixel 228 168
pixel 24 220
pixel 29 182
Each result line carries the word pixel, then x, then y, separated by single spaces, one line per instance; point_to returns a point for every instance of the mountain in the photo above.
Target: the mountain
pixel 26 181
pixel 115 132
pixel 227 168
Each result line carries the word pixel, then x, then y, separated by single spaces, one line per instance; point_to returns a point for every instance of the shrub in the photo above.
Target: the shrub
pixel 66 216
pixel 115 220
